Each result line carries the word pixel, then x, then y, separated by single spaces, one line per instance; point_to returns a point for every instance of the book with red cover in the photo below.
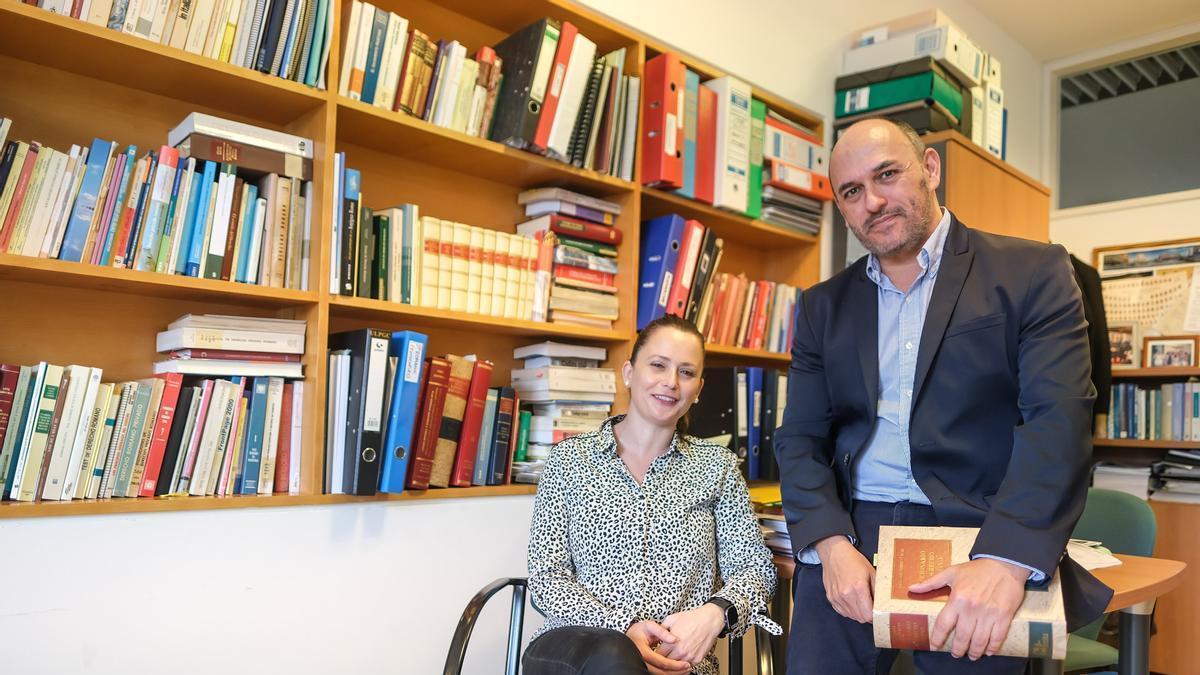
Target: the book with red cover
pixel 572 227
pixel 662 121
pixel 558 72
pixel 468 442
pixel 762 311
pixel 18 195
pixel 452 419
pixel 585 278
pixel 235 212
pixel 706 145
pixel 283 455
pixel 172 382
pixel 433 400
pixel 685 267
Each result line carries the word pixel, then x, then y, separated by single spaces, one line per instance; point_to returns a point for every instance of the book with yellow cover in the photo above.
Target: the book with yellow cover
pixel 904 620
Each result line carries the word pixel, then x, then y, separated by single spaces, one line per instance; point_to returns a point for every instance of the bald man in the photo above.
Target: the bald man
pixel 943 379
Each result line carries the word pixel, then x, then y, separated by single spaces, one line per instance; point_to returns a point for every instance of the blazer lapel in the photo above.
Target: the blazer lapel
pixel 865 297
pixel 956 262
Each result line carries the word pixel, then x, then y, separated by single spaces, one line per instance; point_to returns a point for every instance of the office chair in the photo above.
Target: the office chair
pixel 1125 524
pixel 516 620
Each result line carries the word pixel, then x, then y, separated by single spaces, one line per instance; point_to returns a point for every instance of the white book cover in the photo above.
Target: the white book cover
pixel 362 47
pixel 560 349
pixel 460 277
pixel 64 440
pixel 133 11
pixel 351 46
pixel 448 94
pixel 475 115
pixel 445 275
pixel 210 435
pixel 731 182
pixel 271 435
pixel 145 21
pixel 85 431
pixel 220 224
pixel 33 450
pixel 260 224
pixel 223 445
pixel 162 15
pixel 429 235
pixel 574 87
pixel 461 115
pixel 339 423
pixel 216 29
pixel 60 212
pixel 98 12
pixel 393 56
pixel 39 215
pixel 95 435
pixel 474 270
pixel 198 23
pixel 101 481
pixel 296 438
pixel 994 125
pixel 181 24
pixel 487 273
pixel 17 447
pixel 500 273
pixel 629 143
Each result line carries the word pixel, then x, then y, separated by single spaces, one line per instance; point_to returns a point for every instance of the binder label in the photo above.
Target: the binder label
pixel 857 99
pixel 670 139
pixel 376 372
pixel 412 362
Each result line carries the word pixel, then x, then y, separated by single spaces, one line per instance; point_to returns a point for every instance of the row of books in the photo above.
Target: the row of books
pixel 1167 412
pixel 166 212
pixel 542 89
pixel 740 408
pixel 67 435
pixel 678 275
pixel 923 69
pixel 439 420
pixel 719 145
pixel 285 38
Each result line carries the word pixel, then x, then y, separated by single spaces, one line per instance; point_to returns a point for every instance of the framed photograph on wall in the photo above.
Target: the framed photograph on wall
pixel 1146 258
pixel 1125 343
pixel 1170 351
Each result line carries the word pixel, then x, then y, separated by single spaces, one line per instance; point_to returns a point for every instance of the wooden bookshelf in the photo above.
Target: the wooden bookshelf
pixel 134 91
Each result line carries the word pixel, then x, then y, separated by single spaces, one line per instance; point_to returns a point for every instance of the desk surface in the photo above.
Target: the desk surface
pixel 1136 579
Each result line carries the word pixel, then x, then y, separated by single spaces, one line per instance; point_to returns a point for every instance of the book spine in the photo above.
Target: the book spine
pixel 432 404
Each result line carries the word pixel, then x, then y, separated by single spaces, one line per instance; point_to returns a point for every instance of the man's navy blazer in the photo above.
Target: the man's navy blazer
pixel 1000 431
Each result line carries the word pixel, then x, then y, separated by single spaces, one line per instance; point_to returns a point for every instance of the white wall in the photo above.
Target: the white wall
pixel 378 588
pixel 1162 218
pixel 372 588
pixel 794 49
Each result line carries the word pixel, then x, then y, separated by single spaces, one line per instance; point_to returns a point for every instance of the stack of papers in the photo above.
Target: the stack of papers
pixel 1091 554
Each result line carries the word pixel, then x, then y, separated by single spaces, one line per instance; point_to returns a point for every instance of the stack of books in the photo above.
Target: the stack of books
pixel 567 391
pixel 542 89
pixel 223 200
pixel 438 418
pixel 1176 478
pixel 578 285
pixel 719 145
pixel 285 38
pixel 924 70
pixel 1134 480
pixel 775 533
pixel 226 346
pixel 67 435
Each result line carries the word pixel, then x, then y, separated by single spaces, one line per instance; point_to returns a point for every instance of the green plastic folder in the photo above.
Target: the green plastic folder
pixel 923 86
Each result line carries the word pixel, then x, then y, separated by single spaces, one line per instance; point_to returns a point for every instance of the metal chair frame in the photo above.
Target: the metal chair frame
pixel 516 621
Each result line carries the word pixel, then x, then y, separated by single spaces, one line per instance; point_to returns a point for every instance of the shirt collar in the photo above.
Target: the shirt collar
pixel 929 257
pixel 607 440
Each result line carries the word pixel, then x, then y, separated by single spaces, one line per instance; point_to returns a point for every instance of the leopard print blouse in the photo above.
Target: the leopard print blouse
pixel 606 552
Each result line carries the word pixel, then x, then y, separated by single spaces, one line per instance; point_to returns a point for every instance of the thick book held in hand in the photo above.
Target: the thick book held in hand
pixel 903 620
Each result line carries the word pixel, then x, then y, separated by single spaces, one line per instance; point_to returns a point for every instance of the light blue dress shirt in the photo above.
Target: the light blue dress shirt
pixel 883 470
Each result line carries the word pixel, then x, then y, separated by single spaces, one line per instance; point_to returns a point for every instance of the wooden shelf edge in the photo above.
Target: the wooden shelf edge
pixel 96 277
pixel 394 311
pixel 484 145
pixel 1140 443
pixel 957 137
pixel 1173 371
pixel 92 507
pixel 741 352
